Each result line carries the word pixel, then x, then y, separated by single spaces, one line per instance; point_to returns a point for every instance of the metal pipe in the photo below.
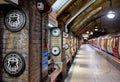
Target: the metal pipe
pixel 80 11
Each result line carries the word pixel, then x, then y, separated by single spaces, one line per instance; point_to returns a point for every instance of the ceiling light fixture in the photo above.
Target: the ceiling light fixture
pixel 91 33
pixel 50 25
pixel 96 29
pixel 111 14
pixel 87 32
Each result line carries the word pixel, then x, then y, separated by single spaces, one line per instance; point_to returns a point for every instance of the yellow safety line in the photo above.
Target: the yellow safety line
pixel 115 59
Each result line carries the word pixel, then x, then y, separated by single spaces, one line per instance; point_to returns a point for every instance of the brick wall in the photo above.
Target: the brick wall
pixel 28 42
pixel 44 34
pixel 14 42
pixel 35 44
pixel 17 42
pixel 1 44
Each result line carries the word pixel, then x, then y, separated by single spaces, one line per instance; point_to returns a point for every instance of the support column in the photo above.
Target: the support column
pixel 15 44
pixel 27 43
pixel 35 43
pixel 1 44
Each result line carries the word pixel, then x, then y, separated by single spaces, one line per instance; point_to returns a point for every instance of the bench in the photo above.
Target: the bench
pixel 55 74
pixel 68 60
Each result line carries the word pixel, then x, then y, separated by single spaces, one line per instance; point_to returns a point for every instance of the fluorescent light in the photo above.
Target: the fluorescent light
pixel 91 33
pixel 87 32
pixel 50 25
pixel 96 29
pixel 111 14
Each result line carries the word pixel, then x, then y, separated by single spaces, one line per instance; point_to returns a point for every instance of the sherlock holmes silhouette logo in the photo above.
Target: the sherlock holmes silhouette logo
pixel 15 20
pixel 14 64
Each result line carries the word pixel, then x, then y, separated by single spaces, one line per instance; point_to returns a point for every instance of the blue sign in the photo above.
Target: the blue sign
pixel 44 60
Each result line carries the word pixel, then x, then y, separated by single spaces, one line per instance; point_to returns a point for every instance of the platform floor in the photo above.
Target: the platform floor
pixel 89 66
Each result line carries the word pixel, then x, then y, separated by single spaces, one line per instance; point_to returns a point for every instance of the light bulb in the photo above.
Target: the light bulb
pixel 87 32
pixel 111 14
pixel 96 29
pixel 50 25
pixel 91 33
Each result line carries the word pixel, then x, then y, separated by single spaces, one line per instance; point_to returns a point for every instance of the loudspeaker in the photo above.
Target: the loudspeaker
pixel 40 6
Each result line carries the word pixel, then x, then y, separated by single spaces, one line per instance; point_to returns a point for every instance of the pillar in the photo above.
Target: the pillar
pixel 23 48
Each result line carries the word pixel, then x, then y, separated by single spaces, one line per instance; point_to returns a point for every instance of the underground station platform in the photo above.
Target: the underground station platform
pixel 59 40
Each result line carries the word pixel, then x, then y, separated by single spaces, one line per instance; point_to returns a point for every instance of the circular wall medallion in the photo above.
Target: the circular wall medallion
pixel 65 35
pixel 66 46
pixel 56 32
pixel 55 50
pixel 15 20
pixel 14 64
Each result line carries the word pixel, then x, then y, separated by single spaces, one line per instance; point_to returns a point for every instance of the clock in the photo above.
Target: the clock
pixel 55 50
pixel 56 32
pixel 14 64
pixel 15 20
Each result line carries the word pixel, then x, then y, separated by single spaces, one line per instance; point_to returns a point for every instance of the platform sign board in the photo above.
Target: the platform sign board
pixel 44 60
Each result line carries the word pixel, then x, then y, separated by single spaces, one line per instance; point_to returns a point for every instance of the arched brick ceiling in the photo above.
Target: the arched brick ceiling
pixel 72 9
pixel 85 21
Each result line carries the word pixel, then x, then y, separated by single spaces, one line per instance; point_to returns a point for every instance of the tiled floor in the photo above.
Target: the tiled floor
pixel 89 66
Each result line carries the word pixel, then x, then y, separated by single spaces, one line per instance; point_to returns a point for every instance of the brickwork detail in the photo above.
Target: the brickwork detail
pixel 35 44
pixel 1 44
pixel 29 42
pixel 16 42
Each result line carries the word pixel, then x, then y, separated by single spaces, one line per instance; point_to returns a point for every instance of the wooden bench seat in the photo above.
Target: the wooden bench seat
pixel 54 75
pixel 68 60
